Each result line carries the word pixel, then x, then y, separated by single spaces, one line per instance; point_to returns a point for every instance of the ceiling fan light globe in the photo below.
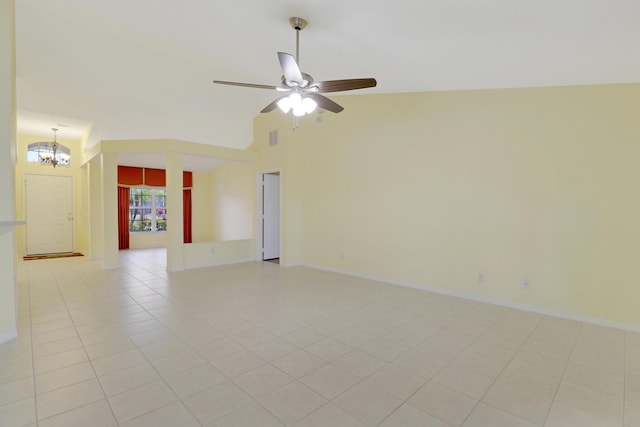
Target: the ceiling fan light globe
pixel 285 104
pixel 299 111
pixel 296 100
pixel 309 105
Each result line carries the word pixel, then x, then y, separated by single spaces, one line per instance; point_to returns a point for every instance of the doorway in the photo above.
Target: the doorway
pixel 269 224
pixel 49 214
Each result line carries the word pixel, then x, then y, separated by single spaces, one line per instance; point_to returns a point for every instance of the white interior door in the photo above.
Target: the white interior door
pixel 270 216
pixel 49 214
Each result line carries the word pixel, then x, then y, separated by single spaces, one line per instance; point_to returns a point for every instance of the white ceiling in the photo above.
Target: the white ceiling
pixel 143 69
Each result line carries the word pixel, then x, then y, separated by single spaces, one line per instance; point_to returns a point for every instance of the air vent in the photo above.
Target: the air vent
pixel 273 138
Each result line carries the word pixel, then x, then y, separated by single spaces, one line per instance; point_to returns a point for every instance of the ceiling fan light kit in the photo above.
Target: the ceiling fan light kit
pixel 303 95
pixel 298 104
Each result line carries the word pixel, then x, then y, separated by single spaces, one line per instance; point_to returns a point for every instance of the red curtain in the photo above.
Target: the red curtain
pixel 186 213
pixel 155 177
pixel 123 217
pixel 187 179
pixel 128 175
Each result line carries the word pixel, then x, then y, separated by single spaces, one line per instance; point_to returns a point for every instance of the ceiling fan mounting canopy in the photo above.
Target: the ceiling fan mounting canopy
pixel 301 93
pixel 298 23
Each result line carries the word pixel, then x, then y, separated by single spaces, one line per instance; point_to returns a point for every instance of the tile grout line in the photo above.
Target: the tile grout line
pixel 162 378
pixel 406 401
pixel 33 357
pixel 137 347
pixel 573 347
pixel 84 348
pixel 501 371
pixel 480 400
pixel 542 317
pixel 624 379
pixel 496 379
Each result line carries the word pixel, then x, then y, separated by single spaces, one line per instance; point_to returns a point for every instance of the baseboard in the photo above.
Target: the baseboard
pixel 218 264
pixel 8 336
pixel 631 327
pixel 291 265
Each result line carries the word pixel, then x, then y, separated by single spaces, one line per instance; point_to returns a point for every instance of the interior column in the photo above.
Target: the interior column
pixel 175 232
pixel 109 169
pixel 94 193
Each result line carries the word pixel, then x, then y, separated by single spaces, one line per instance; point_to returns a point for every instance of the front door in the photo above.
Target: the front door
pixel 49 214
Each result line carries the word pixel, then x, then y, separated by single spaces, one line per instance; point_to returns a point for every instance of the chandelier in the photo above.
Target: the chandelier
pixel 53 155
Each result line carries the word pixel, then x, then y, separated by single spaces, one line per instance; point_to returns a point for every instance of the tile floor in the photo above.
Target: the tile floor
pixel 260 345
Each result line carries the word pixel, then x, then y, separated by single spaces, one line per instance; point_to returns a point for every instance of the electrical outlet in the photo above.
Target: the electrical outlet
pixel 480 277
pixel 341 256
pixel 526 284
pixel 213 251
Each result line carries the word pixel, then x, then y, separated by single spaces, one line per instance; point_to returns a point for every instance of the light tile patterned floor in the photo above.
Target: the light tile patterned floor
pixel 257 344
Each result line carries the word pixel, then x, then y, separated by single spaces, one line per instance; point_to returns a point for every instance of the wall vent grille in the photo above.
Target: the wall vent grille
pixel 273 138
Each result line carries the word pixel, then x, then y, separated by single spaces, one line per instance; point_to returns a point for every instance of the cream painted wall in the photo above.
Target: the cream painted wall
pixel 8 281
pixel 79 175
pixel 205 254
pixel 147 240
pixel 201 213
pixel 432 189
pixel 285 157
pixel 83 217
pixel 233 195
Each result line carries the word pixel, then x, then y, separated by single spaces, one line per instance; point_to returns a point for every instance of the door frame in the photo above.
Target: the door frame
pixel 73 207
pixel 259 227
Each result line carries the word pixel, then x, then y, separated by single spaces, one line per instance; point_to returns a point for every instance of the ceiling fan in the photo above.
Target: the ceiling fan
pixel 300 93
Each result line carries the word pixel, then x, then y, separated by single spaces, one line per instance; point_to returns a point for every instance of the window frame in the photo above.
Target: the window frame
pixel 154 208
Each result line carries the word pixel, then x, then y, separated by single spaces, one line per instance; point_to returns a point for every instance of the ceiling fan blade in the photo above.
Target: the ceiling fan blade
pixel 272 106
pixel 290 68
pixel 221 82
pixel 348 84
pixel 326 103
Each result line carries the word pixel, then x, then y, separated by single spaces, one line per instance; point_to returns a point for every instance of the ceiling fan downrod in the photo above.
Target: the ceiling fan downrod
pixel 298 24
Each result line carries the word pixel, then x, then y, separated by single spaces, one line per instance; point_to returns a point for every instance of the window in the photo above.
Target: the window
pixel 147 209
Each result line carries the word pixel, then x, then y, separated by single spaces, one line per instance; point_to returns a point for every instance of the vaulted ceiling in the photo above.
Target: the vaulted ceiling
pixel 143 69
